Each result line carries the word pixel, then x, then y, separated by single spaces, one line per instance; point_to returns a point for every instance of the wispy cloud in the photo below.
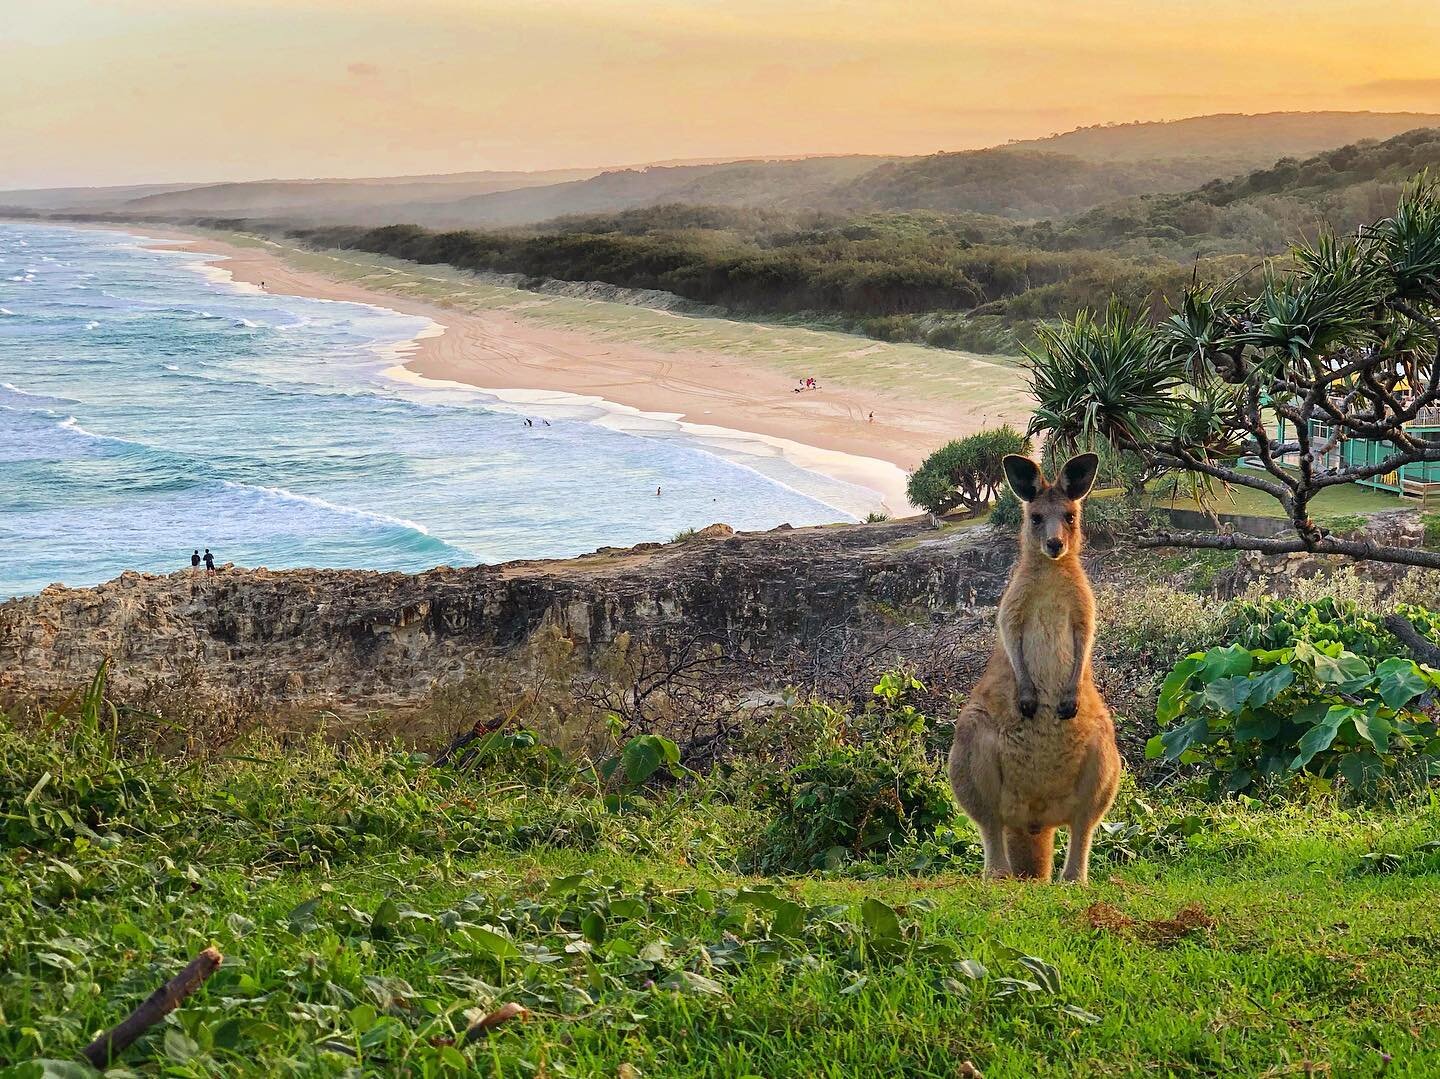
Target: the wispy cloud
pixel 1420 88
pixel 363 70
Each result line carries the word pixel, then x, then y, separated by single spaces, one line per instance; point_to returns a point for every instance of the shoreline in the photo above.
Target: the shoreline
pixel 707 395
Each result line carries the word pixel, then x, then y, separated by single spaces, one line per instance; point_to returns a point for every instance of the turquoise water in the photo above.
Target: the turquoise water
pixel 149 407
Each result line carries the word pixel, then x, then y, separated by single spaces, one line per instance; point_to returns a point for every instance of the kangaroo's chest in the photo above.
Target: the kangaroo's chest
pixel 1042 623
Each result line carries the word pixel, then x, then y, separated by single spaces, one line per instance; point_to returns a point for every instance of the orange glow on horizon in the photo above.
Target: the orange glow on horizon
pixel 129 91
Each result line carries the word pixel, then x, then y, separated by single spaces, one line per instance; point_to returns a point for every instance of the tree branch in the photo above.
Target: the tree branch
pixel 1361 549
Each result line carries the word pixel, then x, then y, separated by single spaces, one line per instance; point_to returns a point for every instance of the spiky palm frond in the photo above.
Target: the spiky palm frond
pixel 1330 301
pixel 1102 379
pixel 1409 242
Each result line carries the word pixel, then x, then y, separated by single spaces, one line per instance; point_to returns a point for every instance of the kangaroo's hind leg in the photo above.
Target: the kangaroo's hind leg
pixel 1032 852
pixel 1096 791
pixel 975 779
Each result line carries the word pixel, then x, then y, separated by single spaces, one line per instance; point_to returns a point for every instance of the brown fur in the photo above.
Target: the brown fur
pixel 1034 746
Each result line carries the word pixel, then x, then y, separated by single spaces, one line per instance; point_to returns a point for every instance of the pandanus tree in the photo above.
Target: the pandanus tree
pixel 1272 391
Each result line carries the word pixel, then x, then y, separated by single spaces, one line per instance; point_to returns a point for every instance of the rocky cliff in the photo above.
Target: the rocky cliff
pixel 351 638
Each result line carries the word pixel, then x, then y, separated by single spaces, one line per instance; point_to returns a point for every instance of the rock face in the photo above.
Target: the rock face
pixel 352 638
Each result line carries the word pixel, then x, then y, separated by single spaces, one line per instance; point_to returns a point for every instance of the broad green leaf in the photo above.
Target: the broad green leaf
pixel 1361 768
pixel 1226 662
pixel 641 759
pixel 362 1017
pixel 628 908
pixel 492 943
pixel 789 919
pixel 1257 725
pixel 759 897
pixel 1172 690
pixel 385 918
pixel 1345 669
pixel 1228 695
pixel 1266 687
pixel 1319 737
pixel 1178 739
pixel 685 981
pixel 1046 974
pixel 302 918
pixel 972 968
pixel 593 926
pixel 1155 747
pixel 179 1046
pixel 1238 781
pixel 58 1069
pixel 880 919
pixel 227 1033
pixel 1374 729
pixel 1074 1011
pixel 1399 681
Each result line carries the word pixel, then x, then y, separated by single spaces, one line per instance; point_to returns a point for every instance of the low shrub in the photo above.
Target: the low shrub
pixel 1313 690
pixel 966 472
pixel 836 786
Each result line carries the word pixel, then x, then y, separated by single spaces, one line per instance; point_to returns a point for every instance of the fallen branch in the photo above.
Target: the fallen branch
pixel 104 1049
pixel 1421 647
pixel 464 738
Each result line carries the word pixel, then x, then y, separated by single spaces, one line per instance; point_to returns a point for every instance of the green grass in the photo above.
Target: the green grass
pixel 1349 500
pixel 370 907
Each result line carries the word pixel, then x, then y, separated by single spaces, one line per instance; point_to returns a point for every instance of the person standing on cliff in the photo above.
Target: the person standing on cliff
pixel 195 559
pixel 209 561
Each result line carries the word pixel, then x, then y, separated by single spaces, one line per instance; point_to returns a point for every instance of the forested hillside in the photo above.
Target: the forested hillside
pixel 1057 177
pixel 965 280
pixel 1244 141
pixel 1263 211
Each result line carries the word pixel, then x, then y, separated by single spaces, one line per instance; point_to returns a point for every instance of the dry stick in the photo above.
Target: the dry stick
pixel 1420 647
pixel 157 1006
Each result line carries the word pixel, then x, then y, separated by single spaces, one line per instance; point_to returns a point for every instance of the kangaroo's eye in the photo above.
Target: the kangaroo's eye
pixel 1069 518
pixel 1036 519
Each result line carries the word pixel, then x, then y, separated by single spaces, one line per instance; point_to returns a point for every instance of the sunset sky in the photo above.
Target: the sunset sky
pixel 129 91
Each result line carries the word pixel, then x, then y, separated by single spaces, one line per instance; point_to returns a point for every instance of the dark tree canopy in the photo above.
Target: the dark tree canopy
pixel 966 472
pixel 1342 346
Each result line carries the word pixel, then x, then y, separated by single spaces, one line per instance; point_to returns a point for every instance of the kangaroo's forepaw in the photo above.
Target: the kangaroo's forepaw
pixel 1028 704
pixel 1067 708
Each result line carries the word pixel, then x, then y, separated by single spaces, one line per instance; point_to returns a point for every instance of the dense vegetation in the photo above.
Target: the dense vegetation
pixel 936 270
pixel 902 277
pixel 1343 350
pixel 1262 212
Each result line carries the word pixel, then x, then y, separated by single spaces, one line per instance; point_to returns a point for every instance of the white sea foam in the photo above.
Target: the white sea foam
pixel 859 485
pixel 330 507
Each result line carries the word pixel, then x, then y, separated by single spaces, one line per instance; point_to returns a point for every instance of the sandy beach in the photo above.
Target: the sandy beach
pixel 828 430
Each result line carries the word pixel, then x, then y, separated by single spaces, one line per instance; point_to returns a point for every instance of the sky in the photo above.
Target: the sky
pixel 134 91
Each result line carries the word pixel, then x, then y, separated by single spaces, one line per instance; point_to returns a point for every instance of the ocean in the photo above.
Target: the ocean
pixel 150 406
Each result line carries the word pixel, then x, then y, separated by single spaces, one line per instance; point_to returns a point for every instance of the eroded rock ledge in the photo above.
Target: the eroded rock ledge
pixel 354 638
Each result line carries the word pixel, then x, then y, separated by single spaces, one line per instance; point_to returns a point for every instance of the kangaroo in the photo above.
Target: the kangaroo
pixel 1034 746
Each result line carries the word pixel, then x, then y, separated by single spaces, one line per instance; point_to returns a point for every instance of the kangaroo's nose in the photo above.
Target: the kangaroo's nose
pixel 1054 546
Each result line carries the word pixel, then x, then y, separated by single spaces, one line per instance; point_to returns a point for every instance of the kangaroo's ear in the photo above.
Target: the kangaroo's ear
pixel 1023 476
pixel 1078 475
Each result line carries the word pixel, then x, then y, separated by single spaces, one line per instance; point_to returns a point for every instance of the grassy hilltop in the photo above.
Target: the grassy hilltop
pixel 807 904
